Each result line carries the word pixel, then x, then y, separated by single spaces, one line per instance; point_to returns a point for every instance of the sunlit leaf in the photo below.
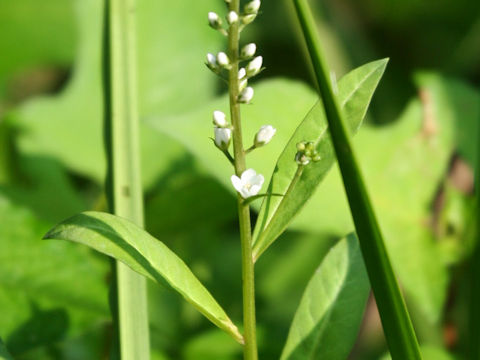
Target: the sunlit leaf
pixel 148 256
pixel 328 318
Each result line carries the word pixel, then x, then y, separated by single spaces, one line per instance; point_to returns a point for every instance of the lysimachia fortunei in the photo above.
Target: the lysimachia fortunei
pixel 248 183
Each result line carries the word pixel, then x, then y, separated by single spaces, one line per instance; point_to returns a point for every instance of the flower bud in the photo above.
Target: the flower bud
pixel 219 119
pixel 212 62
pixel 252 7
pixel 223 60
pixel 247 19
pixel 254 66
pixel 242 73
pixel 214 20
pixel 264 135
pixel 232 17
pixel 302 159
pixel 248 51
pixel 301 146
pixel 223 137
pixel 242 84
pixel 246 95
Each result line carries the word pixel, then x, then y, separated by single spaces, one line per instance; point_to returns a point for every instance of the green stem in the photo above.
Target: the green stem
pixel 123 180
pixel 248 277
pixel 396 322
pixel 474 272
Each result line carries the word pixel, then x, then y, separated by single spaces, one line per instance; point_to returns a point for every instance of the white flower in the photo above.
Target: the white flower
pixel 248 184
pixel 219 119
pixel 232 17
pixel 246 95
pixel 242 73
pixel 222 137
pixel 264 135
pixel 248 50
pixel 252 7
pixel 214 20
pixel 254 66
pixel 222 59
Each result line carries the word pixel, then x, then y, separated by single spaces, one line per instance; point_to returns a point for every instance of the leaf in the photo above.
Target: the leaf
pixel 429 353
pixel 40 281
pixel 146 255
pixel 328 318
pixel 4 354
pixel 54 126
pixel 355 92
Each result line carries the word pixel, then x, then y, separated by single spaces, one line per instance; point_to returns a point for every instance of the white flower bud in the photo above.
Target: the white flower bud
pixel 212 62
pixel 219 119
pixel 264 135
pixel 242 73
pixel 247 19
pixel 254 66
pixel 222 137
pixel 242 84
pixel 222 59
pixel 248 51
pixel 246 95
pixel 232 17
pixel 214 20
pixel 252 7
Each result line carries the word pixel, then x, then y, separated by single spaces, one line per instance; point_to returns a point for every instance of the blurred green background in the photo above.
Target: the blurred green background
pixel 416 150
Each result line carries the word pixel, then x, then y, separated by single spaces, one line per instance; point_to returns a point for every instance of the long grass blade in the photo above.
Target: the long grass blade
pixel 129 299
pixel 396 322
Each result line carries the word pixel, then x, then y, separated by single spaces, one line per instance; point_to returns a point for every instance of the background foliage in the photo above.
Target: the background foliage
pixel 417 151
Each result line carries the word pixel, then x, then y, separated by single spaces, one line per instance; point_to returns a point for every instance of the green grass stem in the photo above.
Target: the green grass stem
pixel 396 322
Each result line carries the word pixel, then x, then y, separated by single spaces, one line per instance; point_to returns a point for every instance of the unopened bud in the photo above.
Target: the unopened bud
pixel 252 7
pixel 223 60
pixel 264 135
pixel 248 51
pixel 223 137
pixel 246 95
pixel 254 66
pixel 214 20
pixel 232 17
pixel 219 119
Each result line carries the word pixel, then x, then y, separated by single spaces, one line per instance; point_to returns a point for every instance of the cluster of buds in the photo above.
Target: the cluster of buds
pixel 306 152
pixel 249 183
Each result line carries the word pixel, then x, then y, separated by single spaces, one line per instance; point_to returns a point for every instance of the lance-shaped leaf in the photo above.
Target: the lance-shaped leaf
pixel 355 91
pixel 128 243
pixel 327 321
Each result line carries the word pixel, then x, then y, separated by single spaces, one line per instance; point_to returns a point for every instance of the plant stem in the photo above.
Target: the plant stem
pixel 248 277
pixel 396 322
pixel 474 272
pixel 124 189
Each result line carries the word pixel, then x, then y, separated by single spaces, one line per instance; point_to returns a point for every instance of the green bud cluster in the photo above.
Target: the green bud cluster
pixel 306 152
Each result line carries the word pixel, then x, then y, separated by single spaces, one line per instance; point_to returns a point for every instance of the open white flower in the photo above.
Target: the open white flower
pixel 248 184
pixel 222 137
pixel 219 119
pixel 246 95
pixel 264 135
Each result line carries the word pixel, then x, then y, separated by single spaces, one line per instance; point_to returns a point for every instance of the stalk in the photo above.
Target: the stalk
pixel 124 191
pixel 396 322
pixel 248 277
pixel 474 265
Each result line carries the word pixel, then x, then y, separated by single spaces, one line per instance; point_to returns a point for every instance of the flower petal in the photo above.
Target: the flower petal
pixel 237 183
pixel 247 175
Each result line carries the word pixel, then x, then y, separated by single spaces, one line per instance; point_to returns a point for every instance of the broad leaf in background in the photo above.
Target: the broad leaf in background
pixel 148 256
pixel 328 318
pixel 69 126
pixel 4 354
pixel 429 353
pixel 355 91
pixel 417 146
pixel 40 281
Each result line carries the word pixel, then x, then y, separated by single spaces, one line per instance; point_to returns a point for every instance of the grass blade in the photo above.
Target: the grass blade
pixel 123 180
pixel 396 322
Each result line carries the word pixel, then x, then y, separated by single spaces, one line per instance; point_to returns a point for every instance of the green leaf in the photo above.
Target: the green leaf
pixel 4 354
pixel 328 318
pixel 143 253
pixel 49 292
pixel 429 353
pixel 165 53
pixel 355 92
